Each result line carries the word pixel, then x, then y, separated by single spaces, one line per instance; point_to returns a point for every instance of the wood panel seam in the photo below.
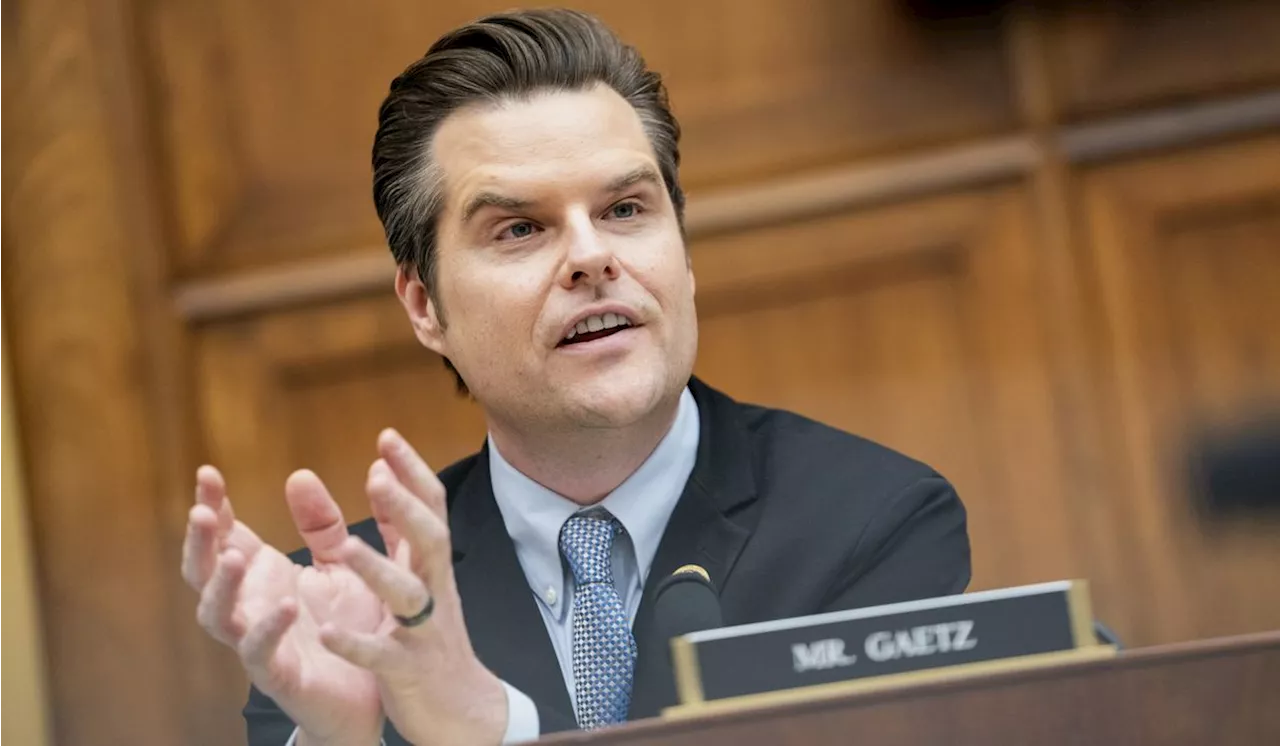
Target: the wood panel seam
pixel 370 269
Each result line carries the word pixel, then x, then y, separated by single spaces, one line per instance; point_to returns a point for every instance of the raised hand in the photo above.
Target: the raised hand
pixel 270 610
pixel 433 687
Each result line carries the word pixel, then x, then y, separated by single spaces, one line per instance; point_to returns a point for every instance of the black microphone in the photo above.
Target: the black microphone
pixel 686 602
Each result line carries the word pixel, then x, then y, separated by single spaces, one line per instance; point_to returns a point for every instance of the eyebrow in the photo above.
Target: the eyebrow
pixel 633 177
pixel 490 199
pixel 642 174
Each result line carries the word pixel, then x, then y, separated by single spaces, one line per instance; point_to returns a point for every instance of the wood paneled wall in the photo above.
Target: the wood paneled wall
pixel 1037 252
pixel 25 700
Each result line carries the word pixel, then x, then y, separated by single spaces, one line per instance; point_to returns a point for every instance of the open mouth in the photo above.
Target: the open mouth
pixel 596 327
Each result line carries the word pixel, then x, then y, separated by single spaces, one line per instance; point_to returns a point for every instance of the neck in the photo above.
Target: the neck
pixel 584 464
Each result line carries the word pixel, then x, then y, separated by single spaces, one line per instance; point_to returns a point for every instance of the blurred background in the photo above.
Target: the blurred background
pixel 1035 245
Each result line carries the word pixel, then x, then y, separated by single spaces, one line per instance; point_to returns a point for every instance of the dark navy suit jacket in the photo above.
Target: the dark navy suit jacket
pixel 790 517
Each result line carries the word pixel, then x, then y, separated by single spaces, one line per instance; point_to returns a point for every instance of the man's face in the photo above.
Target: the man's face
pixel 566 293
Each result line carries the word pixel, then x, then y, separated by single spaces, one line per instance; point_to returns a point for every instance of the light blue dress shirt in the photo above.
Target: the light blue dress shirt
pixel 643 503
pixel 534 515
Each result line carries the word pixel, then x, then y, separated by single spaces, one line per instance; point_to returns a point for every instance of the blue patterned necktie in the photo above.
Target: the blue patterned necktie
pixel 604 650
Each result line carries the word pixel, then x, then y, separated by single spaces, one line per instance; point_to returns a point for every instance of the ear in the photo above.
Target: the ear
pixel 422 310
pixel 693 282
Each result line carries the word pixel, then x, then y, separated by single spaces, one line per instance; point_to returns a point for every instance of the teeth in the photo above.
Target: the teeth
pixel 597 323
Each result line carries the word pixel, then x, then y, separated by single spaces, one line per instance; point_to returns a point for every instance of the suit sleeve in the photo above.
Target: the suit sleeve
pixel 269 726
pixel 917 546
pixel 266 723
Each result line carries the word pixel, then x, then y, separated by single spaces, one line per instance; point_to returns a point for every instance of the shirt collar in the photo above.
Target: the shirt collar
pixel 643 503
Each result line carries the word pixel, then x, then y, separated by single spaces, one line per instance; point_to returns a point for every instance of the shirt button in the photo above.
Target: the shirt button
pixel 550 596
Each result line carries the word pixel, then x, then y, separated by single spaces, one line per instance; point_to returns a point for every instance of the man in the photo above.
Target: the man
pixel 525 171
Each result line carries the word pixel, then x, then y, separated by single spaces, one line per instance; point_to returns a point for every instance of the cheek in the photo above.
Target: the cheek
pixel 496 309
pixel 664 273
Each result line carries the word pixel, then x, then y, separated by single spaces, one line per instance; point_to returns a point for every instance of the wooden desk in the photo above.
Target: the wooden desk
pixel 1223 692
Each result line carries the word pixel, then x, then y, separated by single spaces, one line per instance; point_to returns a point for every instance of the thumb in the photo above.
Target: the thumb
pixel 316 514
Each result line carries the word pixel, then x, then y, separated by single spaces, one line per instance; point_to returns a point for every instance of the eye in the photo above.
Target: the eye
pixel 624 210
pixel 517 231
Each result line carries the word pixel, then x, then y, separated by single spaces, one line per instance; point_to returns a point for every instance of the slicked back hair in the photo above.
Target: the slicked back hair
pixel 506 56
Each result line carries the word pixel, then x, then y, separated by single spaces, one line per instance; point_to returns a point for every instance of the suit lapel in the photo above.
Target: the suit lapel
pixel 503 621
pixel 709 526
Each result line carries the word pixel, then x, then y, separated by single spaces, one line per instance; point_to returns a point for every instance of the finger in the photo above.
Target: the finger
pixel 412 471
pixel 374 652
pixel 217 610
pixel 390 536
pixel 401 590
pixel 200 548
pixel 420 527
pixel 316 514
pixel 211 490
pixel 259 644
pixel 242 538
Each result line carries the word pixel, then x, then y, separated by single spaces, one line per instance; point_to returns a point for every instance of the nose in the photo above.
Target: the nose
pixel 588 258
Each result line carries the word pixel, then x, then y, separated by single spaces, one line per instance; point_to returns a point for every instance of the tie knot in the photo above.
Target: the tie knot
pixel 587 543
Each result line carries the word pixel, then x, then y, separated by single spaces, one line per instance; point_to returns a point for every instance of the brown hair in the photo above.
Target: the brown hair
pixel 502 56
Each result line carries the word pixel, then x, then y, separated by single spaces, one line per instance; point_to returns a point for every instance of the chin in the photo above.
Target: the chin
pixel 617 399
